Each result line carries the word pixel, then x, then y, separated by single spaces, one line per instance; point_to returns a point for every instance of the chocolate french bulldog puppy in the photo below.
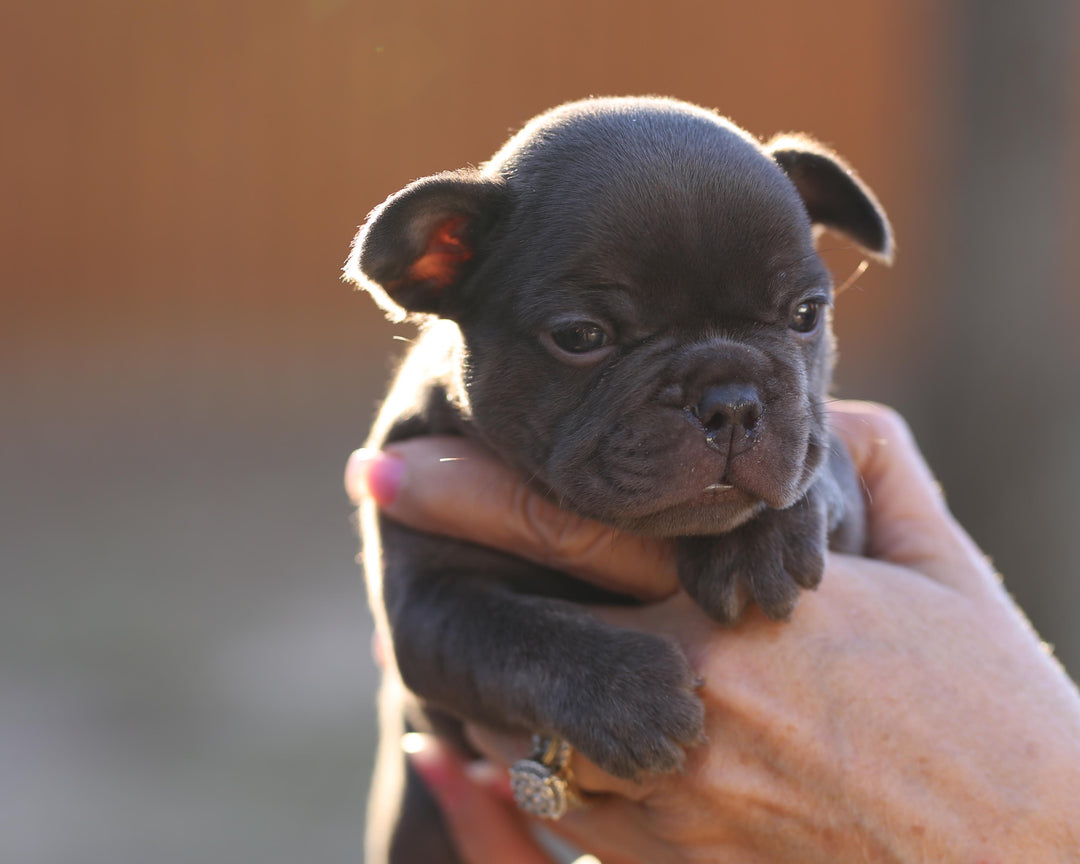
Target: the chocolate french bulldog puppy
pixel 631 313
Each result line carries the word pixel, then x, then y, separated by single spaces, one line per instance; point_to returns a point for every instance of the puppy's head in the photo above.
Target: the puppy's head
pixel 645 319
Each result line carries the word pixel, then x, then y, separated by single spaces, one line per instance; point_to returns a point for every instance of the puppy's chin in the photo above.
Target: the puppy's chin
pixel 713 512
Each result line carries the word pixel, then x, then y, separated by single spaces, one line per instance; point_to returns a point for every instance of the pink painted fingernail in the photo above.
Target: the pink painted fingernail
pixel 375 473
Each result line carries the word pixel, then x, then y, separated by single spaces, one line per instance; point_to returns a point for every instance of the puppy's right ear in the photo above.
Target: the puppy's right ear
pixel 415 250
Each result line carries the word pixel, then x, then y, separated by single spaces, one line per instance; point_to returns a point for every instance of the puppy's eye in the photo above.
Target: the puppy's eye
pixel 580 337
pixel 806 317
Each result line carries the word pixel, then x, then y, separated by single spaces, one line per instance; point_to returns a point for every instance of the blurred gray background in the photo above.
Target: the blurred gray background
pixel 185 673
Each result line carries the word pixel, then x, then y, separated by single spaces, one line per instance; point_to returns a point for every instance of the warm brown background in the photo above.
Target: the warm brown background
pixel 183 641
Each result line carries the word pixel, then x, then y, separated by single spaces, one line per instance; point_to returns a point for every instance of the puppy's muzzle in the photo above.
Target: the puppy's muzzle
pixel 730 414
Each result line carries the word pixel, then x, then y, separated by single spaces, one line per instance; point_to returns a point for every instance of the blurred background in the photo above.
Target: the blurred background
pixel 185 672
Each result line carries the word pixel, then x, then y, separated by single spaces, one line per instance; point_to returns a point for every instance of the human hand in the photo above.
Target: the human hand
pixel 906 712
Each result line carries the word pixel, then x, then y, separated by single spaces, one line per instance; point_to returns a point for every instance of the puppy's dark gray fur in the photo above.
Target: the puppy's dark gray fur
pixel 640 327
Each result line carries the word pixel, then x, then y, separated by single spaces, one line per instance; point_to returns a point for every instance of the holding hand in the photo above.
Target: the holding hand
pixel 906 712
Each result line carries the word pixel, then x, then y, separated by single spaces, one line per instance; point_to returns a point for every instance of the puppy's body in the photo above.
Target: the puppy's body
pixel 640 326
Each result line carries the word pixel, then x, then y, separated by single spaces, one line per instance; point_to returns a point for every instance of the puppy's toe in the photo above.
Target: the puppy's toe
pixel 776 585
pixel 775 592
pixel 713 573
pixel 724 596
pixel 805 563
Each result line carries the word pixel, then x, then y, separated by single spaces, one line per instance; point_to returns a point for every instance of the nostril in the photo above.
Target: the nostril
pixel 749 414
pixel 729 406
pixel 714 417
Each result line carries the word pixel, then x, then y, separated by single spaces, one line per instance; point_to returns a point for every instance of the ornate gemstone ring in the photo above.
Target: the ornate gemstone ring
pixel 543 783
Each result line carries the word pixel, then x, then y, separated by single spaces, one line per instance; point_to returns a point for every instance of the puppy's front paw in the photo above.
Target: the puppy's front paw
pixel 766 561
pixel 634 710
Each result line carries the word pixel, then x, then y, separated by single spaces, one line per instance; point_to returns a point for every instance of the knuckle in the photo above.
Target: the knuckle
pixel 562 540
pixel 872 426
pixel 891 425
pixel 552 533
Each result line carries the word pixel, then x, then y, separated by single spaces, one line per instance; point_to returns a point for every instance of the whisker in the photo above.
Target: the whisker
pixel 862 268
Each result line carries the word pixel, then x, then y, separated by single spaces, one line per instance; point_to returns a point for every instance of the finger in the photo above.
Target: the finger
pixel 485 829
pixel 506 749
pixel 616 830
pixel 453 487
pixel 494 777
pixel 610 823
pixel 908 520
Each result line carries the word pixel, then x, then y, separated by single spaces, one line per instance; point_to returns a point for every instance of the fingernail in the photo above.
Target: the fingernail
pixel 375 473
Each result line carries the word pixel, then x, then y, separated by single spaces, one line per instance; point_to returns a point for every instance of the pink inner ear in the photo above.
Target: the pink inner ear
pixel 446 252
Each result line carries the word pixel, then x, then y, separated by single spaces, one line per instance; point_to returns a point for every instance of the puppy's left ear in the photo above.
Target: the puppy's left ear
pixel 834 195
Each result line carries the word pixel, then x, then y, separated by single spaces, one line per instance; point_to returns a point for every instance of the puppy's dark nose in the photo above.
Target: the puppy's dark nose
pixel 733 409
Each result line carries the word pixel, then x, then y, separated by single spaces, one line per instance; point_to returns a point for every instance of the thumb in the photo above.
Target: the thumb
pixel 453 487
pixel 908 520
